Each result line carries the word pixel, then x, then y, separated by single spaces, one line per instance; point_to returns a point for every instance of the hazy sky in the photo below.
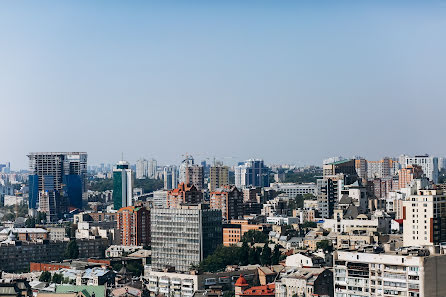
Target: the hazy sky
pixel 286 81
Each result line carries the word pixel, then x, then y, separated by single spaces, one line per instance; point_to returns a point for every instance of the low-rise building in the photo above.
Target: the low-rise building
pixel 303 282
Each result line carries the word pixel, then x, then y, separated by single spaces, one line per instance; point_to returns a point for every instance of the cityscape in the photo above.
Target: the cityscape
pixel 222 148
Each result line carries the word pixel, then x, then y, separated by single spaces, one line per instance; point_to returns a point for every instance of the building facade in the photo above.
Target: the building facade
pixel 229 200
pixel 219 177
pixel 183 237
pixel 122 185
pixel 134 226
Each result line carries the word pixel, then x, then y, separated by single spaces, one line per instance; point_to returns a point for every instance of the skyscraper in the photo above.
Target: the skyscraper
pixel 134 225
pixel 152 168
pixel 170 175
pixel 57 182
pixel 122 185
pixel 142 169
pixel 252 173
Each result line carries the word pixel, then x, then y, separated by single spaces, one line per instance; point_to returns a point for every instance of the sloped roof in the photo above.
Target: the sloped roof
pixel 241 282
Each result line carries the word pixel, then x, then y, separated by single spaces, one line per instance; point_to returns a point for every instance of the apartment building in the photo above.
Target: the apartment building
pixel 428 164
pixel 302 282
pixel 408 174
pixel 185 193
pixel 185 285
pixel 183 237
pixel 219 177
pixel 424 218
pixel 407 273
pixel 234 231
pixel 134 225
pixel 229 200
pixel 252 173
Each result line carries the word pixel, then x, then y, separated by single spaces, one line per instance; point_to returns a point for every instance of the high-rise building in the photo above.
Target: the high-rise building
pixel 152 170
pixel 408 174
pixel 170 174
pixel 191 173
pixel 428 164
pixel 57 182
pixel 346 167
pixel 424 218
pixel 122 185
pixel 142 169
pixel 252 173
pixel 361 168
pixel 229 200
pixel 134 225
pixel 183 237
pixel 219 177
pixel 184 194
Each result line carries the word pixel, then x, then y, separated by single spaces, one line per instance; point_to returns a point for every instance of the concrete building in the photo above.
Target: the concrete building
pixel 389 274
pixel 303 282
pixel 191 173
pixel 142 169
pixel 229 200
pixel 160 199
pixel 134 226
pixel 424 218
pixel 408 174
pixel 185 236
pixel 185 193
pixel 219 177
pixel 293 189
pixel 170 175
pixel 253 173
pixel 152 169
pixel 122 185
pixel 234 231
pixel 427 163
pixel 57 182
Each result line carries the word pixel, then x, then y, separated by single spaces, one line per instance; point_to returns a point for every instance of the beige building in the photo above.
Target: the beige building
pixel 424 216
pixel 410 273
pixel 219 177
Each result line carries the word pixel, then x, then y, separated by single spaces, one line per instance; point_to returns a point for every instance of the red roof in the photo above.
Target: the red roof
pixel 241 282
pixel 267 290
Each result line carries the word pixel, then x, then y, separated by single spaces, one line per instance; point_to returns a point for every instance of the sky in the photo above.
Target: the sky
pixel 285 81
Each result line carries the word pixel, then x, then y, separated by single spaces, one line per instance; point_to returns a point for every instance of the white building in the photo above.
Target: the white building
pixel 428 164
pixel 160 199
pixel 425 214
pixel 389 274
pixel 142 169
pixel 303 282
pixel 304 260
pixel 293 189
pixel 277 220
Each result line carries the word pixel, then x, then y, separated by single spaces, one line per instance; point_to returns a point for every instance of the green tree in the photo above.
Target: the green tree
pixel 275 259
pixel 135 267
pixel 325 245
pixel 57 278
pixel 45 276
pixel 297 202
pixel 72 250
pixel 254 236
pixel 309 225
pixel 265 258
pixel 244 254
pixel 30 223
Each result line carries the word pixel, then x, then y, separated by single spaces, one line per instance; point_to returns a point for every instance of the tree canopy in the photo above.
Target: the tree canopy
pixel 72 250
pixel 254 236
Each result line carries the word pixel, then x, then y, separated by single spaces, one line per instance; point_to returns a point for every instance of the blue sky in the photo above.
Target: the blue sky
pixel 287 81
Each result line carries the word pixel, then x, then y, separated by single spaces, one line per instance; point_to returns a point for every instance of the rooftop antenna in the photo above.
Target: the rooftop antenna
pixel 122 156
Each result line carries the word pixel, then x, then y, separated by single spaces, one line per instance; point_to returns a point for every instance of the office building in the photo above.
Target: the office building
pixel 253 173
pixel 229 200
pixel 346 167
pixel 134 226
pixel 182 195
pixel 219 177
pixel 292 189
pixel 361 167
pixel 57 182
pixel 185 236
pixel 122 185
pixel 142 169
pixel 427 163
pixel 424 218
pixel 160 199
pixel 409 273
pixel 382 169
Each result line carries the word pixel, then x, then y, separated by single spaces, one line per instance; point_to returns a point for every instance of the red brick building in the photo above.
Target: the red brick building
pixel 134 225
pixel 229 200
pixel 185 193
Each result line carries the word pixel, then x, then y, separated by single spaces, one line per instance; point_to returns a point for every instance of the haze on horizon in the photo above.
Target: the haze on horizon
pixel 289 82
